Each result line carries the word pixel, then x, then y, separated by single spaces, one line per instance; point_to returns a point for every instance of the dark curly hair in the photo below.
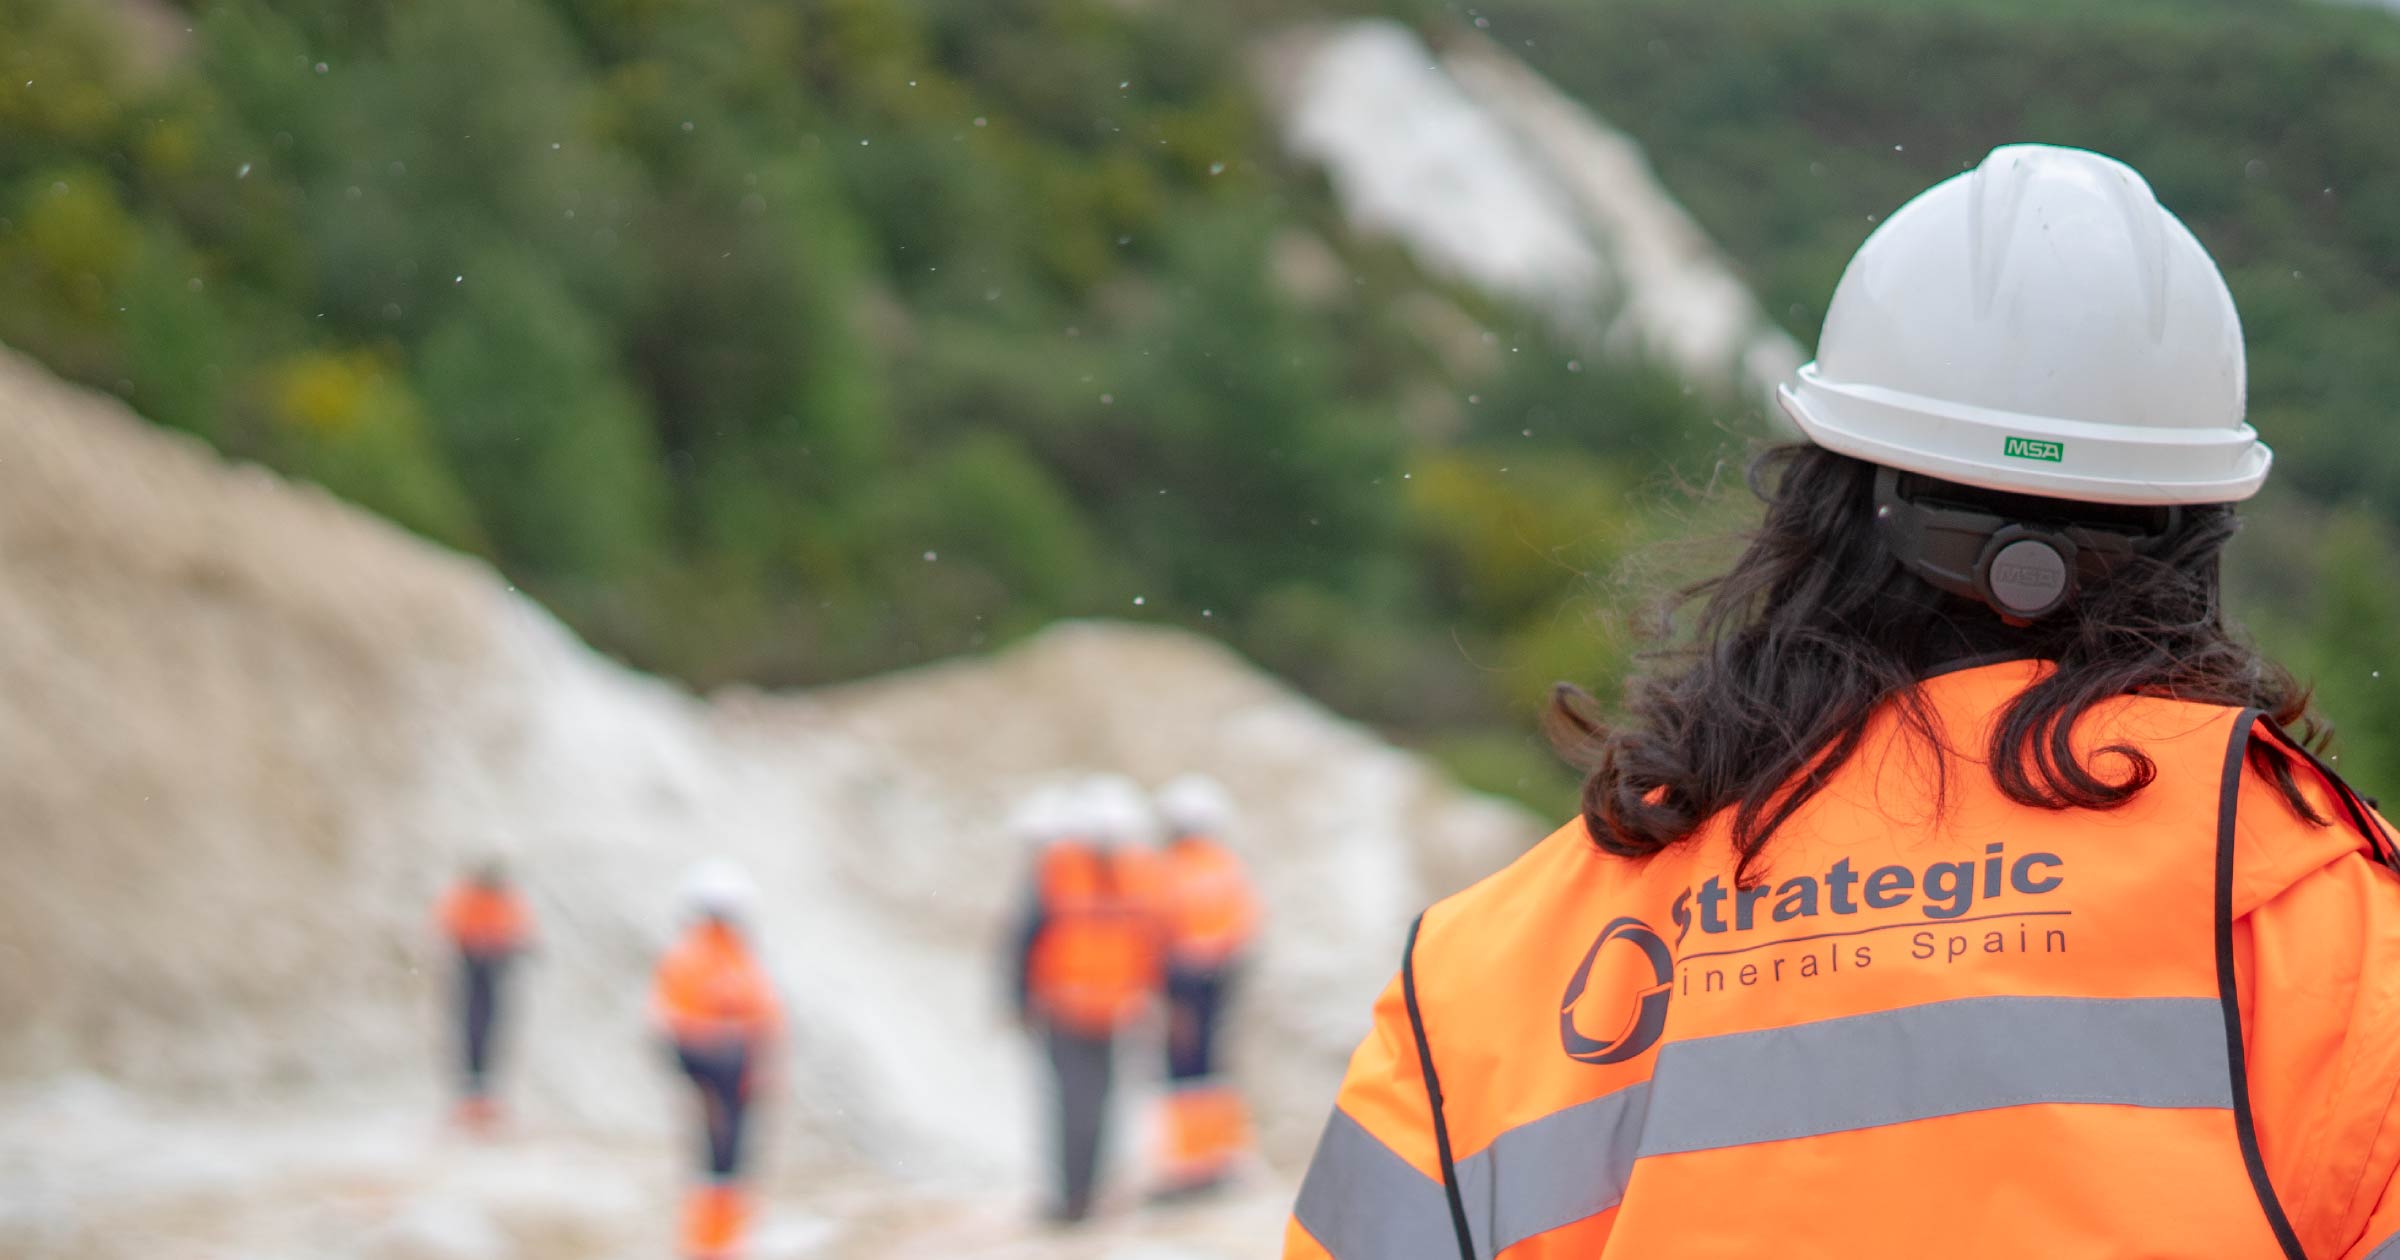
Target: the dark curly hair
pixel 1766 691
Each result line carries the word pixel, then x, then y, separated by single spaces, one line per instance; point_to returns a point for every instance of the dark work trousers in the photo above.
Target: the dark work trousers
pixel 1195 1004
pixel 479 1003
pixel 1082 1067
pixel 721 1076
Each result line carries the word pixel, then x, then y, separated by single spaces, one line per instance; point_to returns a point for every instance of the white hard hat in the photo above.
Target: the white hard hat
pixel 2041 325
pixel 718 889
pixel 1195 805
pixel 1111 809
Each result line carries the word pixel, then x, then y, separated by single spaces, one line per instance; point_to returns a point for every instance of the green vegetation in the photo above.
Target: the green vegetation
pixel 1786 128
pixel 786 342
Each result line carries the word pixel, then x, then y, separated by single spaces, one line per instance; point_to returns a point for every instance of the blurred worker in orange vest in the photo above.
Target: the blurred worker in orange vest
pixel 485 920
pixel 717 1006
pixel 1957 880
pixel 1088 959
pixel 1212 914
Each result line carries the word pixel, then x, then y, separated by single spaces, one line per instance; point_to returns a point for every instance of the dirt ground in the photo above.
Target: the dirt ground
pixel 87 1173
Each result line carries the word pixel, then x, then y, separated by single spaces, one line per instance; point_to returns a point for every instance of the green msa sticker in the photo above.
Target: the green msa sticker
pixel 2034 448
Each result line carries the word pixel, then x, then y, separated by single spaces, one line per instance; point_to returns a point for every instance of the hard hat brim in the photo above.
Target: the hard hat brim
pixel 2087 462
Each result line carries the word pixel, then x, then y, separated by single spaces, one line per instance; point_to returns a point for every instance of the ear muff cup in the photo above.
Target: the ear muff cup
pixel 2021 571
pixel 2026 573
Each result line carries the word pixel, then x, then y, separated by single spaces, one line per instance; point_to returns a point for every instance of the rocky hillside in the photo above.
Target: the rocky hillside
pixel 251 730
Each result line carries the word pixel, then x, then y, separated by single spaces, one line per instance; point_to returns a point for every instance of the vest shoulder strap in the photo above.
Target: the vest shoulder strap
pixel 1433 1094
pixel 2237 754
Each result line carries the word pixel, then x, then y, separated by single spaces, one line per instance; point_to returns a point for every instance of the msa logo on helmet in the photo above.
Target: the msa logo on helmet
pixel 2034 448
pixel 1650 968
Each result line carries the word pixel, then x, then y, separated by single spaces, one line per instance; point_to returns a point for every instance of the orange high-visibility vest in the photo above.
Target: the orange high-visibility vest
pixel 1936 1025
pixel 483 920
pixel 710 989
pixel 1098 956
pixel 1211 912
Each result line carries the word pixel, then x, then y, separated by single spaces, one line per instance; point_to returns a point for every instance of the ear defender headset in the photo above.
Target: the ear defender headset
pixel 2023 569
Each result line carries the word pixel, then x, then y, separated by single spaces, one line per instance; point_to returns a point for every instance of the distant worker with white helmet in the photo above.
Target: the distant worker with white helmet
pixel 717 1007
pixel 1958 881
pixel 1088 960
pixel 1211 915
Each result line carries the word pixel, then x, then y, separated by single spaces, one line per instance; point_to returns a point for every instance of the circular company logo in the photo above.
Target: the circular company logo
pixel 1642 1028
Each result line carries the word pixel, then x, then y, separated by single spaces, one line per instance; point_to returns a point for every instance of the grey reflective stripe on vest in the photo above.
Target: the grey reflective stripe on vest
pixel 2388 1249
pixel 1362 1201
pixel 1553 1171
pixel 1939 1059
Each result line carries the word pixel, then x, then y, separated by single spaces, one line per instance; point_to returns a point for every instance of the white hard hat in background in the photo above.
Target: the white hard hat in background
pixel 1113 810
pixel 2041 325
pixel 1195 805
pixel 719 889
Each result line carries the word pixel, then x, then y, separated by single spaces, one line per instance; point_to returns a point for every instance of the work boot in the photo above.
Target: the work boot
pixel 714 1217
pixel 1205 1133
pixel 477 1114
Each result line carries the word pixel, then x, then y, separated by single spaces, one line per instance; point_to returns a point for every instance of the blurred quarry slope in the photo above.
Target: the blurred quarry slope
pixel 248 731
pixel 1488 174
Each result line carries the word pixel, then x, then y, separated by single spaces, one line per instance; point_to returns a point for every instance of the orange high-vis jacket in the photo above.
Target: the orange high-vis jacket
pixel 485 921
pixel 1940 1023
pixel 1211 911
pixel 1097 959
pixel 711 990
